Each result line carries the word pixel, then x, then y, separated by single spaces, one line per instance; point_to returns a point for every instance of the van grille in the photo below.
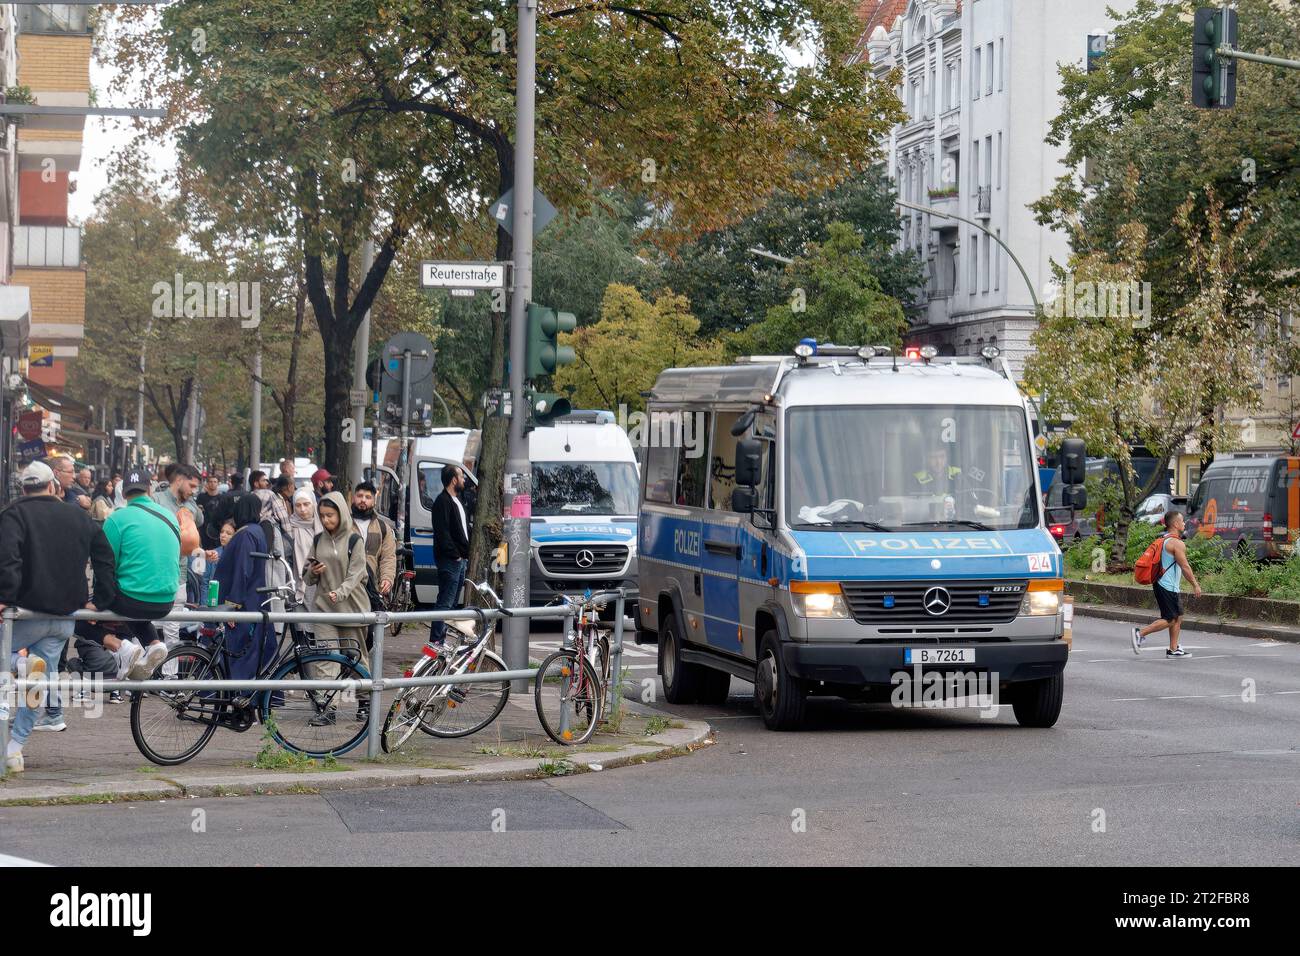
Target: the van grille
pixel 569 558
pixel 868 600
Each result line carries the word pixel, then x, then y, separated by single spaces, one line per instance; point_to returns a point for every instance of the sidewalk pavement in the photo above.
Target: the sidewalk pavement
pixel 96 761
pixel 1194 622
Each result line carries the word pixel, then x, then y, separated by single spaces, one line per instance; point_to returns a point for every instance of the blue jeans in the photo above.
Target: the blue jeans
pixel 45 639
pixel 451 578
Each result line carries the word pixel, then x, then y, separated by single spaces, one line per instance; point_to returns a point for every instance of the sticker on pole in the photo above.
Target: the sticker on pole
pixel 521 506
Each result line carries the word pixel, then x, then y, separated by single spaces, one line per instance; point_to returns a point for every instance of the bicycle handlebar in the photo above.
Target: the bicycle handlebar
pixel 485 589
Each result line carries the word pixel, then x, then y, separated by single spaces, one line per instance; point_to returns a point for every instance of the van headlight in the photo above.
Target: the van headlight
pixel 1043 597
pixel 822 599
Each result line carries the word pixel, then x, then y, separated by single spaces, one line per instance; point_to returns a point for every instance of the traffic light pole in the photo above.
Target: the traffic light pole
pixel 517 497
pixel 1229 53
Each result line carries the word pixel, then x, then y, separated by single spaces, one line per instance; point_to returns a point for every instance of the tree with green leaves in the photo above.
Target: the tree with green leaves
pixel 730 287
pixel 835 297
pixel 620 356
pixel 1187 175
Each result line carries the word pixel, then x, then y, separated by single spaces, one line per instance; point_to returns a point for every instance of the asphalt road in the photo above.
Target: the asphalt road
pixel 1153 761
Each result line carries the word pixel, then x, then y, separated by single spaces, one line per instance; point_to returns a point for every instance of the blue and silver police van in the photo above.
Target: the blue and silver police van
pixel 822 523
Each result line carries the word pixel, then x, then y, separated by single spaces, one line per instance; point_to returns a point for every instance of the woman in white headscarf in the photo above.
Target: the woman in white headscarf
pixel 304 525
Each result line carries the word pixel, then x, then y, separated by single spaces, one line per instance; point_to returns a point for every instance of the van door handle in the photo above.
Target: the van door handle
pixel 722 547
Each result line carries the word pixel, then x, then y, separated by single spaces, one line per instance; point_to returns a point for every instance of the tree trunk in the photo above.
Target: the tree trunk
pixel 288 410
pixel 338 380
pixel 492 459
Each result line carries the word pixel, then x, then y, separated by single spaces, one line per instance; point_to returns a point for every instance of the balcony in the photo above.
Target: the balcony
pixel 65 18
pixel 47 246
pixel 984 202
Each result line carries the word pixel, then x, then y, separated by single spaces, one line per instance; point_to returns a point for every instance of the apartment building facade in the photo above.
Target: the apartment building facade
pixel 980 86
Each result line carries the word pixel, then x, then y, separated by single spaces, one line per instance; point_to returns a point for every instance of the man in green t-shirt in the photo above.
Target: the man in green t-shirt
pixel 147 543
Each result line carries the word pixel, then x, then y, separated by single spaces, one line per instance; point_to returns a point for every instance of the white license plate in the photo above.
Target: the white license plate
pixel 939 655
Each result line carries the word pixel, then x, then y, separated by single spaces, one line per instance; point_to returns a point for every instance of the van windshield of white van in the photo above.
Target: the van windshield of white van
pixel 584 488
pixel 893 467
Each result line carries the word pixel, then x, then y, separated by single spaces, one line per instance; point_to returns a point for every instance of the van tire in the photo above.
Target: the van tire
pixel 682 681
pixel 780 697
pixel 1037 703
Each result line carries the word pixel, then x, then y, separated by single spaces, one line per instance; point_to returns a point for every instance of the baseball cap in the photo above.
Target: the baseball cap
pixel 319 475
pixel 37 474
pixel 136 480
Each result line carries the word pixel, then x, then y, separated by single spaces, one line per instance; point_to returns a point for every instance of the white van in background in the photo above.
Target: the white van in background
pixel 585 485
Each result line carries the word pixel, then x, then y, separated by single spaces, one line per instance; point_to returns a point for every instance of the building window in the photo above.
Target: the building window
pixel 988 160
pixel 988 70
pixel 975 171
pixel 1002 63
pixel 974 262
pixel 975 76
pixel 999 163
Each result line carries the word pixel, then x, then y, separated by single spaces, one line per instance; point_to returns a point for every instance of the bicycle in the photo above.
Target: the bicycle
pixel 403 594
pixel 580 672
pixel 171 727
pixel 451 710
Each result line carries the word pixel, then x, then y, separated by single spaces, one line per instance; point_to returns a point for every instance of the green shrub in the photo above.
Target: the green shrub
pixel 1243 577
pixel 1286 585
pixel 1140 534
pixel 1205 555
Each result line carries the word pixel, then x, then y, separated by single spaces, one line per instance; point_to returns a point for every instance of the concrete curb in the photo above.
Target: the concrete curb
pixel 1258 629
pixel 672 742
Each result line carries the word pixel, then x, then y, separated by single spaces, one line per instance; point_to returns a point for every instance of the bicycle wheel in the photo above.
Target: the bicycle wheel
pixel 318 723
pixel 404 715
pixel 465 709
pixel 569 698
pixel 170 727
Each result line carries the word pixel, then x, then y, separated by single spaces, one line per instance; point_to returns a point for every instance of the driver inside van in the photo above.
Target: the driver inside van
pixel 937 477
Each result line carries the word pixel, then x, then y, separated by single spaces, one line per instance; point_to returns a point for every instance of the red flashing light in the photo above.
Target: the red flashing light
pixel 913 353
pixel 1057 530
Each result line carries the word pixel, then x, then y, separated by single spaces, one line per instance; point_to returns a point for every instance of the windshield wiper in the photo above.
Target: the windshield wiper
pixel 868 525
pixel 977 525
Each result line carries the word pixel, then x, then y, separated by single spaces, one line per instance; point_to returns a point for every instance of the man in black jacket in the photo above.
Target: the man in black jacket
pixel 450 545
pixel 44 549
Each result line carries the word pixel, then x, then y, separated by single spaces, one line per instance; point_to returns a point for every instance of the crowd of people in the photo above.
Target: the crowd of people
pixel 140 545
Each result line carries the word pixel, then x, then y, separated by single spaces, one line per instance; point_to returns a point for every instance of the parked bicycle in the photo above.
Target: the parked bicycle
pixel 451 710
pixel 173 726
pixel 402 597
pixel 571 683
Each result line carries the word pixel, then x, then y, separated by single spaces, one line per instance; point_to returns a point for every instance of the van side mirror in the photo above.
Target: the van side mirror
pixel 749 462
pixel 1076 497
pixel 742 500
pixel 1074 460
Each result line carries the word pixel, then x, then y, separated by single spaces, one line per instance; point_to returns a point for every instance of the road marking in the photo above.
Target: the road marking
pixel 1183 697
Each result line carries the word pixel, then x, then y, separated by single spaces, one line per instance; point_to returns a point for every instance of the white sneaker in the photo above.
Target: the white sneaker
pixel 1138 640
pixel 127 657
pixel 49 724
pixel 14 758
pixel 154 656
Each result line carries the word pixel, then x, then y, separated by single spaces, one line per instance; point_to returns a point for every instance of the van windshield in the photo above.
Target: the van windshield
pixel 909 466
pixel 584 488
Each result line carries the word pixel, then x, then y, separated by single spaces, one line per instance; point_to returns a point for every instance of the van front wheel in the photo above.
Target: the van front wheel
pixel 1037 703
pixel 781 698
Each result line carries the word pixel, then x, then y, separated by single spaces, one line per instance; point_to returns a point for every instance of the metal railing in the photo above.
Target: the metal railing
pixel 377 621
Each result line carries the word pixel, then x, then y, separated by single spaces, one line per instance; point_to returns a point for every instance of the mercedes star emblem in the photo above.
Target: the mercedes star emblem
pixel 586 559
pixel 936 601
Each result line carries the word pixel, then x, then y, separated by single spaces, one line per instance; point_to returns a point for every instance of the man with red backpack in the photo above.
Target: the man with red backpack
pixel 1163 565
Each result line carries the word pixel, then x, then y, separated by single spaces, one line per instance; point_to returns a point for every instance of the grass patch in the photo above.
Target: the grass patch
pixel 146 769
pixel 556 768
pixel 656 725
pixel 274 757
pixel 530 752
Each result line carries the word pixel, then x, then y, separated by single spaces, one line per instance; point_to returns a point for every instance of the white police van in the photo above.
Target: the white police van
pixel 842 520
pixel 584 507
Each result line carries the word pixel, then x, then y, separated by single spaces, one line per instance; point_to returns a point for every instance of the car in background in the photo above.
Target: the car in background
pixel 1251 506
pixel 1155 507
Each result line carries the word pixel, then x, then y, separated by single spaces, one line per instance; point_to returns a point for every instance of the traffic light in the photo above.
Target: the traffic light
pixel 545 354
pixel 545 407
pixel 1213 87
